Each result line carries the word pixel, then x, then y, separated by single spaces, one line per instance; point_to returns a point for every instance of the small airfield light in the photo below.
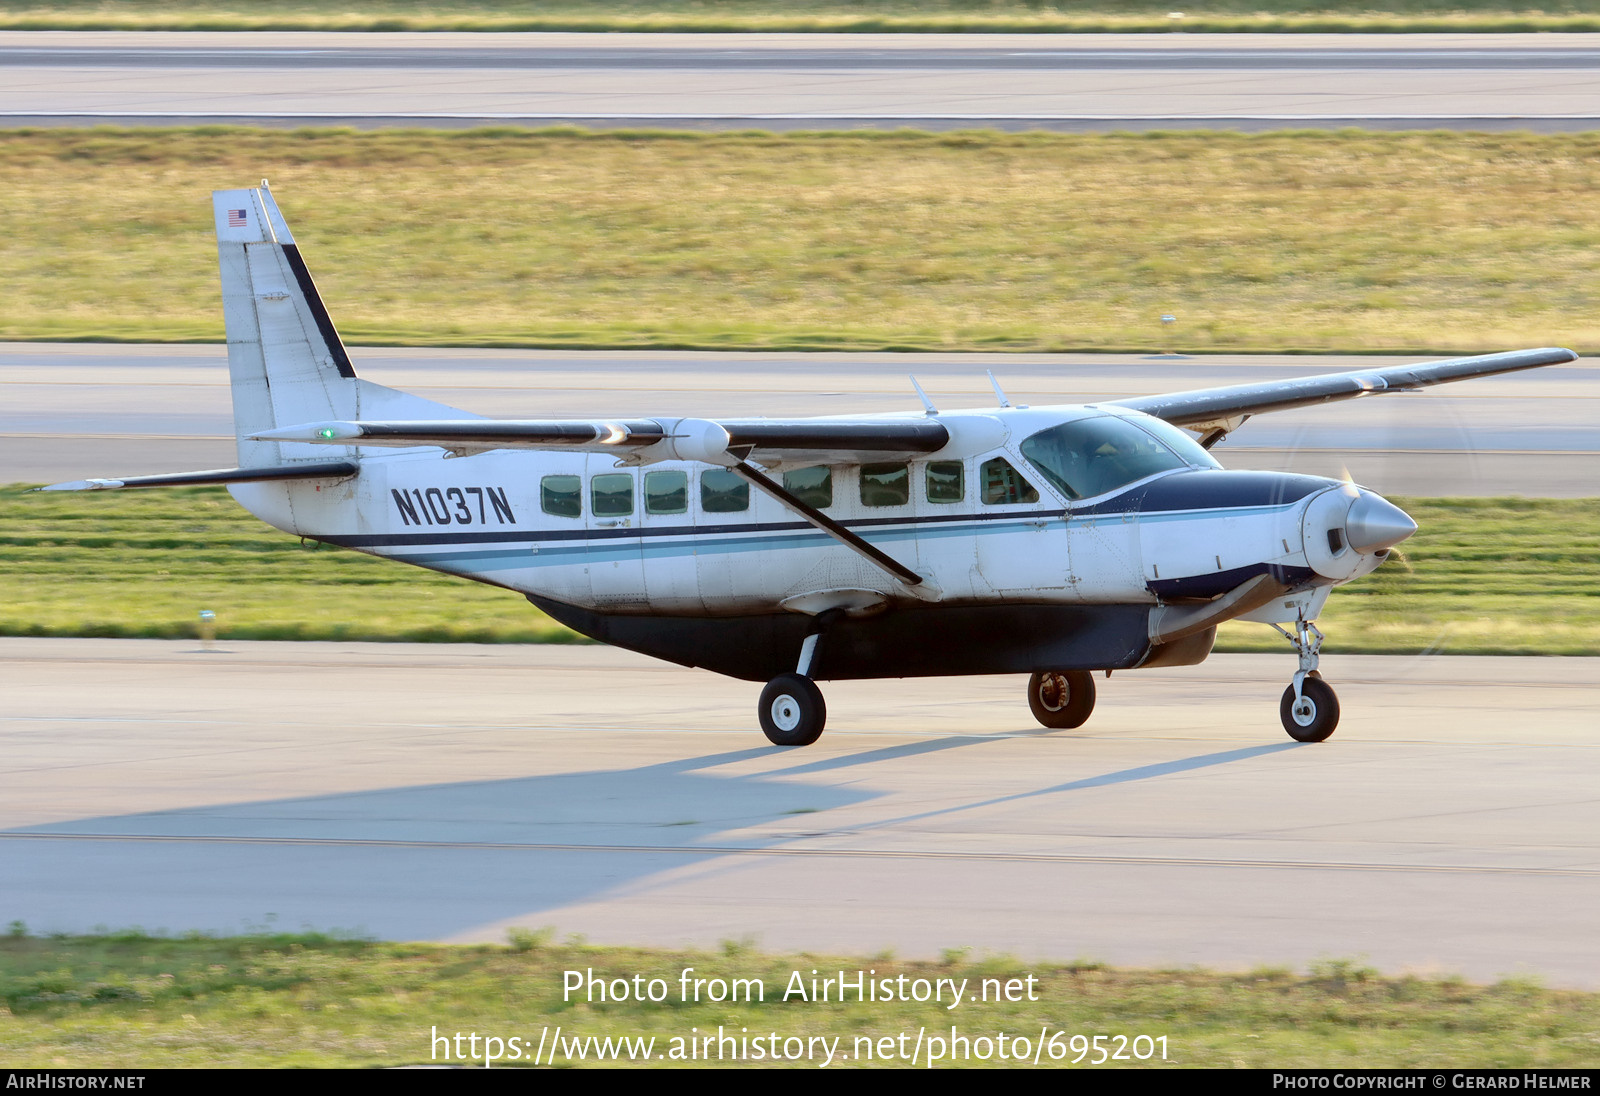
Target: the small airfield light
pixel 208 628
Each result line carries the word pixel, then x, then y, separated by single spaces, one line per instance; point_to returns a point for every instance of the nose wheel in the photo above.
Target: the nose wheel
pixel 1061 699
pixel 1309 708
pixel 1311 716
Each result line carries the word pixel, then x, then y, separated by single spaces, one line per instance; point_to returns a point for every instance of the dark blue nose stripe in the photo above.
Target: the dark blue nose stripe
pixel 1211 489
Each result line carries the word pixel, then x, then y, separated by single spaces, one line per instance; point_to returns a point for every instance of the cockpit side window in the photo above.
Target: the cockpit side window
pixel 1002 484
pixel 1092 456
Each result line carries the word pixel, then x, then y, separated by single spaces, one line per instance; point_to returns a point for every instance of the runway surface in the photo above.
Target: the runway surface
pixel 69 411
pixel 1067 82
pixel 1452 824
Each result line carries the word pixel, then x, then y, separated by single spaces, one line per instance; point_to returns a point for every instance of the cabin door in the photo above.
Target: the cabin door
pixel 612 511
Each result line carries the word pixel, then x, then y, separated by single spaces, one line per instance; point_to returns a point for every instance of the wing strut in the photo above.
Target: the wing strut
pixel 748 473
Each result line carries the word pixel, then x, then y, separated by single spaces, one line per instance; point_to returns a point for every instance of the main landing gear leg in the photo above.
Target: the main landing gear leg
pixel 791 709
pixel 1309 709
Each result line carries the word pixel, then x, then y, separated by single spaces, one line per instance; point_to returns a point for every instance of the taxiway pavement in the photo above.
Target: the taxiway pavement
pixel 1452 824
pixel 1548 82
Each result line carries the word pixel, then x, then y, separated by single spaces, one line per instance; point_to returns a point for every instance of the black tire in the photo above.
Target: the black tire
pixel 1317 724
pixel 1062 699
pixel 792 711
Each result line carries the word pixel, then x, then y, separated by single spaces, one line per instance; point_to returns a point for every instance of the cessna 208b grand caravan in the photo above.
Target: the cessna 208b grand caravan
pixel 1050 541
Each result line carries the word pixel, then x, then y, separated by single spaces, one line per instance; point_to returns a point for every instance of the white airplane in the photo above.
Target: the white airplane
pixel 1051 541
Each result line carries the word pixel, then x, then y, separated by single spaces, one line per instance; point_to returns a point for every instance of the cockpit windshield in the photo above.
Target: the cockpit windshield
pixel 1092 456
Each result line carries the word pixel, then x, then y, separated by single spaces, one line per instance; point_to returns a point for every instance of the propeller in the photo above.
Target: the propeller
pixel 1391 466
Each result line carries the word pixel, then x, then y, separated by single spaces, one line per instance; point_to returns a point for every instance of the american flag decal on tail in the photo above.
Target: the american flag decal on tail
pixel 238 219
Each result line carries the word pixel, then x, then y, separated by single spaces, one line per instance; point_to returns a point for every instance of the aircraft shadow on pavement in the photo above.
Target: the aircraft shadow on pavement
pixel 415 862
pixel 1121 776
pixel 438 860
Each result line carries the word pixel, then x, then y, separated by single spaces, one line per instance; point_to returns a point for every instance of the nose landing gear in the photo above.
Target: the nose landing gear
pixel 1309 709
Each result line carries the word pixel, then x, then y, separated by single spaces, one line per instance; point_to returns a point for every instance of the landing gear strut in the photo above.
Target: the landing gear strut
pixel 791 709
pixel 1061 699
pixel 1309 709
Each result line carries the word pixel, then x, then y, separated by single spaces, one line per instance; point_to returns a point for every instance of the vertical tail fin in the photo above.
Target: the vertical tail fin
pixel 287 362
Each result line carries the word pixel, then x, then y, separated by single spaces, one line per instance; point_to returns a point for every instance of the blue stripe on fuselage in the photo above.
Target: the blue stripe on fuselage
pixel 607 546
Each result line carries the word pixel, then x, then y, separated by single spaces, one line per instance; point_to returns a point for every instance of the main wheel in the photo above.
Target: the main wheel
pixel 792 710
pixel 1317 714
pixel 1061 699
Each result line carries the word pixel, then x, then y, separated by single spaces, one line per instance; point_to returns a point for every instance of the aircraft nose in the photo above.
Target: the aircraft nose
pixel 1374 523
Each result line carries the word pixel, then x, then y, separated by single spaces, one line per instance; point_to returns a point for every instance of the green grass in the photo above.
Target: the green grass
pixel 1420 242
pixel 823 16
pixel 143 565
pixel 130 1000
pixel 1483 576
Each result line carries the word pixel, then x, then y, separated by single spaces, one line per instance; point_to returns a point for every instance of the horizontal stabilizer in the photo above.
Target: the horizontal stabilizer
pixel 329 470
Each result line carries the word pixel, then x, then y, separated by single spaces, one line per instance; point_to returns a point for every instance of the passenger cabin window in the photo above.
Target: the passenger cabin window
pixel 1095 455
pixel 666 492
pixel 1002 484
pixel 723 492
pixel 611 496
pixel 885 484
pixel 562 496
pixel 945 482
pixel 812 486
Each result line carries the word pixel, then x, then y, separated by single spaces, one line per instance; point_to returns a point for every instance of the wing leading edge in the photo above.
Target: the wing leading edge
pixel 726 443
pixel 1207 406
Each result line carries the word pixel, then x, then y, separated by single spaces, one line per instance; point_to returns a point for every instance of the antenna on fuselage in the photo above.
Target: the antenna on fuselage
pixel 996 386
pixel 927 404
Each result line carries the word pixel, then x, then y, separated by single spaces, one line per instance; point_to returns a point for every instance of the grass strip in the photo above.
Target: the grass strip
pixel 805 16
pixel 145 565
pixel 130 999
pixel 1482 576
pixel 1350 241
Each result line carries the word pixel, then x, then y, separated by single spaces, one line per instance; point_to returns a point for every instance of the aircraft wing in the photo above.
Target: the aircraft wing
pixel 1216 406
pixel 721 442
